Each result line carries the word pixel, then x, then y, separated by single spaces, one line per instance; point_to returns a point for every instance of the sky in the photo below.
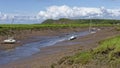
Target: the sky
pixel 40 9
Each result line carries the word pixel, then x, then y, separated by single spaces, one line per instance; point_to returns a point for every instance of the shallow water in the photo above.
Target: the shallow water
pixel 33 48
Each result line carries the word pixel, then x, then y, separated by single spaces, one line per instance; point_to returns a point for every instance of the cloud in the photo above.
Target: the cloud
pixel 18 18
pixel 3 16
pixel 56 12
pixel 64 11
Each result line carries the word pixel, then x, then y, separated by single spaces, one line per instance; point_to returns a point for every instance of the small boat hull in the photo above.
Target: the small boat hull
pixel 72 38
pixel 9 41
pixel 92 32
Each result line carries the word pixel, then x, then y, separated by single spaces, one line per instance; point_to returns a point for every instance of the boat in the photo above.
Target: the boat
pixel 93 30
pixel 10 40
pixel 98 29
pixel 72 37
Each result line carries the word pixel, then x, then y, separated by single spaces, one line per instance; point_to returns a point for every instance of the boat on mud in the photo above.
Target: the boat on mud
pixel 72 37
pixel 10 40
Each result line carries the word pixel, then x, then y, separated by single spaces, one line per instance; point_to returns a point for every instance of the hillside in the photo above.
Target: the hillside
pixel 80 21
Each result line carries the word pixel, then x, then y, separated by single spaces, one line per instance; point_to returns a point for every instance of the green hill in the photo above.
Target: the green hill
pixel 80 21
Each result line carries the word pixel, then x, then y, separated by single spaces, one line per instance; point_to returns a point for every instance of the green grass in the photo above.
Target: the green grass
pixel 110 48
pixel 81 21
pixel 118 27
pixel 6 28
pixel 82 57
pixel 61 23
pixel 46 26
pixel 108 52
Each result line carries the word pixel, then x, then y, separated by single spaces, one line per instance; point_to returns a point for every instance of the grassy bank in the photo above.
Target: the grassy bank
pixel 109 49
pixel 118 28
pixel 6 28
pixel 46 26
pixel 107 54
pixel 61 23
pixel 58 24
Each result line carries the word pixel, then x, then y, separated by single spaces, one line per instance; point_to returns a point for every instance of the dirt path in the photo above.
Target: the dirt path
pixel 52 54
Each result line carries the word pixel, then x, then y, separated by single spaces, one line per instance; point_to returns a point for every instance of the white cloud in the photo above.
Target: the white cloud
pixel 7 18
pixel 55 12
pixel 3 16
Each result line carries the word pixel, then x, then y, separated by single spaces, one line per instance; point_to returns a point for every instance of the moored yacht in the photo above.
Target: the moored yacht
pixel 72 37
pixel 10 40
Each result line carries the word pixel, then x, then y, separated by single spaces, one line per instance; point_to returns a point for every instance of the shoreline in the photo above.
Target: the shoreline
pixel 26 36
pixel 59 50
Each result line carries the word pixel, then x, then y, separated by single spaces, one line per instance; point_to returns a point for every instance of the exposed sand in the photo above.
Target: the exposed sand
pixel 52 54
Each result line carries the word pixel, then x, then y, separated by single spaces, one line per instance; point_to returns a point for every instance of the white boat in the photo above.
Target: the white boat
pixel 93 30
pixel 10 40
pixel 72 37
pixel 98 29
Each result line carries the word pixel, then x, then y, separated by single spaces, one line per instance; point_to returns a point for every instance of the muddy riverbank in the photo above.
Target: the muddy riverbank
pixel 27 36
pixel 51 54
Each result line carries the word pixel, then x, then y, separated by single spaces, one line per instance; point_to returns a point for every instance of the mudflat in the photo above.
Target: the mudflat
pixel 51 54
pixel 26 36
